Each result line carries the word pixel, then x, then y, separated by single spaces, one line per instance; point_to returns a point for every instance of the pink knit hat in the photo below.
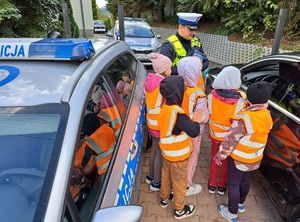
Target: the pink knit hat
pixel 120 85
pixel 97 94
pixel 160 63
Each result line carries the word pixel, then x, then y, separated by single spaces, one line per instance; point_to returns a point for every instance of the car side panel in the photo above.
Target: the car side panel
pixel 123 174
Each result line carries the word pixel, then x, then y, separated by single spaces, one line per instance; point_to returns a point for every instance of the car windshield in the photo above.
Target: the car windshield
pixel 98 23
pixel 29 139
pixel 134 31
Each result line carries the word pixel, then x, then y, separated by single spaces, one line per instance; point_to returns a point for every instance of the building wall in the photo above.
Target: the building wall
pixel 86 27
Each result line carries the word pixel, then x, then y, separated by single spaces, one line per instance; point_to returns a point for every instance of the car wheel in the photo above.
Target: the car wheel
pixel 295 217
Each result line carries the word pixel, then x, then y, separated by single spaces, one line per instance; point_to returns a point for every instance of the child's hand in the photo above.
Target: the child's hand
pixel 198 116
pixel 217 160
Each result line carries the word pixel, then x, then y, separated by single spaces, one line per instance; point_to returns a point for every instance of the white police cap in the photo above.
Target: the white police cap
pixel 189 19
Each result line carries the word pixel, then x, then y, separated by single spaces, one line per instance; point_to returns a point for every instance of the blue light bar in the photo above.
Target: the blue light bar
pixel 49 48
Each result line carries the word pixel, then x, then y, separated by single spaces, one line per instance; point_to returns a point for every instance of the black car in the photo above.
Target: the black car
pixel 279 174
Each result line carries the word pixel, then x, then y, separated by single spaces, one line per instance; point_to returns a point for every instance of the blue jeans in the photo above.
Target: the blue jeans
pixel 238 186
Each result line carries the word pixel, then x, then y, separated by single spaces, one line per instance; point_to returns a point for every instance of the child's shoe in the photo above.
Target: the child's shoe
pixel 148 179
pixel 193 189
pixel 165 203
pixel 221 190
pixel 154 186
pixel 242 208
pixel 223 210
pixel 187 211
pixel 211 189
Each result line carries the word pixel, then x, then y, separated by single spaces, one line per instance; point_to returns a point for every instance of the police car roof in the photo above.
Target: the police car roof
pixel 32 81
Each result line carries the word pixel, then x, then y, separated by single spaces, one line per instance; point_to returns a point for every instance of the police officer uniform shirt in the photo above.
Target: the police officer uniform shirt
pixel 189 19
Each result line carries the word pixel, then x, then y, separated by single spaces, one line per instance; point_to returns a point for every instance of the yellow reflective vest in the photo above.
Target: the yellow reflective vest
pixel 220 114
pixel 153 103
pixel 173 147
pixel 190 97
pixel 250 147
pixel 178 48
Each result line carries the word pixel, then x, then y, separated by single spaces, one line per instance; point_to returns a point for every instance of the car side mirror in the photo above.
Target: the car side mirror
pixel 158 36
pixel 127 213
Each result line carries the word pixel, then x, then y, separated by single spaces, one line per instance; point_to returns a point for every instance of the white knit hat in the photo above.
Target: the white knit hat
pixel 228 78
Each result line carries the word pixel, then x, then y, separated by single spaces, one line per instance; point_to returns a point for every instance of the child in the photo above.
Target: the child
pixel 223 103
pixel 194 99
pixel 128 82
pixel 176 130
pixel 162 68
pixel 120 87
pixel 245 143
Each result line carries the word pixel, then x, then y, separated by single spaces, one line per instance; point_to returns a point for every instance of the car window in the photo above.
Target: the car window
pixel 126 64
pixel 133 30
pixel 138 31
pixel 101 130
pixel 98 22
pixel 284 77
pixel 27 151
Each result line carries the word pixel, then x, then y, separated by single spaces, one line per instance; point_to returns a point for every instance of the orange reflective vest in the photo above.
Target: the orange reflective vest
pixel 190 97
pixel 282 145
pixel 173 147
pixel 220 114
pixel 250 147
pixel 201 83
pixel 153 104
pixel 102 142
pixel 112 116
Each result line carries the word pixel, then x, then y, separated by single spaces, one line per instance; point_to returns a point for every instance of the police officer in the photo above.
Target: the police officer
pixel 184 42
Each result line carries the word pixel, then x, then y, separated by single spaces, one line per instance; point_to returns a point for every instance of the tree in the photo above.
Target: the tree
pixel 95 10
pixel 33 18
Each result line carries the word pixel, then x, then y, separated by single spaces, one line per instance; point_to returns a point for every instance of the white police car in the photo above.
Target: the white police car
pixel 140 37
pixel 45 92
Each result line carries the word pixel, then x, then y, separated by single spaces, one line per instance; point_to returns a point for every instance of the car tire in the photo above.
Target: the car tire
pixel 295 217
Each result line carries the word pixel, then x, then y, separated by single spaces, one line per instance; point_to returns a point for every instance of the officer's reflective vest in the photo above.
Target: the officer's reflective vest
pixel 173 147
pixel 190 97
pixel 153 103
pixel 112 116
pixel 250 147
pixel 178 48
pixel 282 145
pixel 220 114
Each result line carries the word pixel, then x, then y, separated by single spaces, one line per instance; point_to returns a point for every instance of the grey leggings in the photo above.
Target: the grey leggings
pixel 155 161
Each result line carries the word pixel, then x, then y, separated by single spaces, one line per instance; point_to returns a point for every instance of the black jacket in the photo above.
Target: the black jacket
pixel 172 89
pixel 167 49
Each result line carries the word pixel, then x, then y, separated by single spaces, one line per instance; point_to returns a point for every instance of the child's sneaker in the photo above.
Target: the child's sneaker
pixel 223 210
pixel 221 190
pixel 242 208
pixel 211 189
pixel 154 186
pixel 187 211
pixel 148 179
pixel 165 203
pixel 193 189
